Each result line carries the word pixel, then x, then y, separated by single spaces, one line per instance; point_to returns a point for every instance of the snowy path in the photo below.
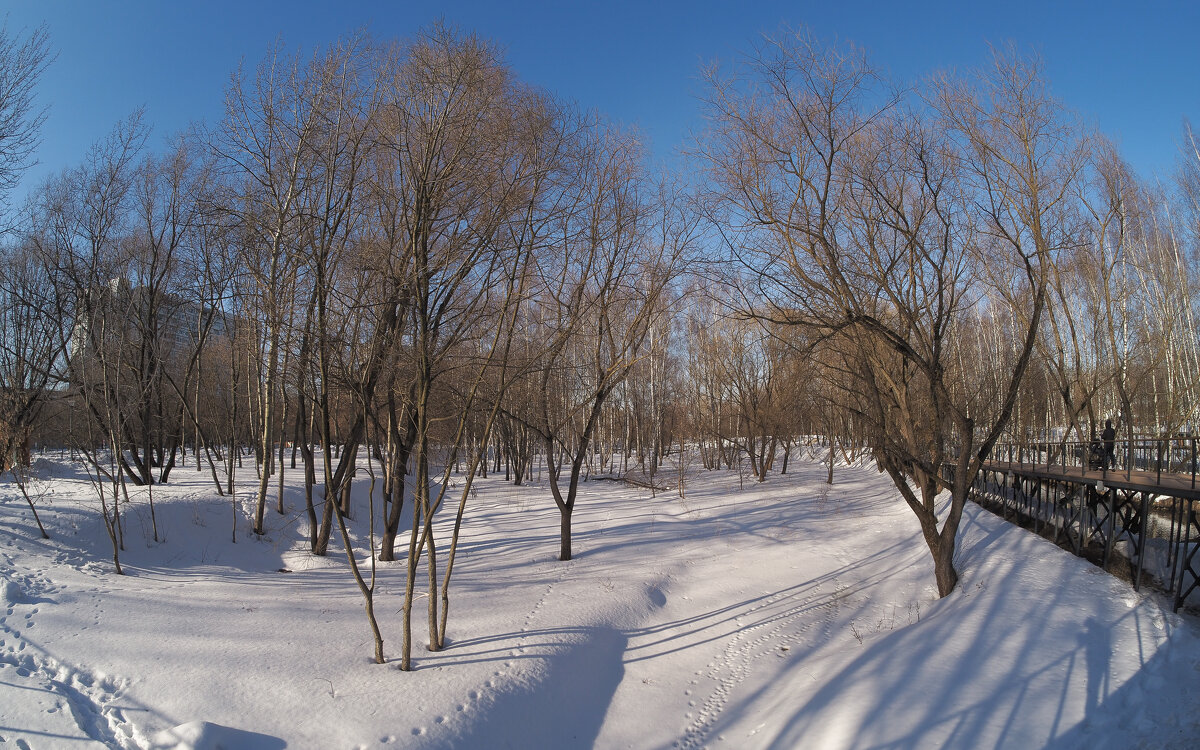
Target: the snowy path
pixel 778 615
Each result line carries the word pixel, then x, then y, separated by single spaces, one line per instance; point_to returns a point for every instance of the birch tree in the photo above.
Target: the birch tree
pixel 263 145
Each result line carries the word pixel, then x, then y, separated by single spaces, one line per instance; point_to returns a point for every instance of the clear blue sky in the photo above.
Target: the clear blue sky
pixel 1133 69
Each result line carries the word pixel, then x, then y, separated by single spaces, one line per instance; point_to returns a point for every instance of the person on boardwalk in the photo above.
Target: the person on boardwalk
pixel 1109 436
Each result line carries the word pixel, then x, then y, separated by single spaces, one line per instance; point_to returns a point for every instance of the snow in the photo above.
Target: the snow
pixel 784 614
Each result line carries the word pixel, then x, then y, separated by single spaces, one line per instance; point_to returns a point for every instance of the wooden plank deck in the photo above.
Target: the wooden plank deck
pixel 1174 485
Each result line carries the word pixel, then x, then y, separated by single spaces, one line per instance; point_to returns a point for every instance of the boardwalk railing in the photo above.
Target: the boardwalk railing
pixel 1157 455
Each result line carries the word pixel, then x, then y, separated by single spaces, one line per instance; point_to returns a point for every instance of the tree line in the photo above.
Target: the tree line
pixel 397 257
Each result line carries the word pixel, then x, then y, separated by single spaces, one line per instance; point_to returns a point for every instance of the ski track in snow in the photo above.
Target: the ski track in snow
pixel 88 696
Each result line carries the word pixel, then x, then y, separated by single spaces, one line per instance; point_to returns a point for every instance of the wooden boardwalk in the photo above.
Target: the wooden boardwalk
pixel 1086 509
pixel 1175 485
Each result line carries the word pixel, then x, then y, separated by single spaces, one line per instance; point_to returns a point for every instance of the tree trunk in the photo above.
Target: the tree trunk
pixel 403 446
pixel 829 476
pixel 564 532
pixel 943 567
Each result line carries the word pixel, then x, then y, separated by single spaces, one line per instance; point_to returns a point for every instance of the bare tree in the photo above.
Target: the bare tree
pixel 606 284
pixel 540 139
pixel 454 167
pixel 31 345
pixel 880 223
pixel 78 229
pixel 330 218
pixel 264 145
pixel 29 350
pixel 23 60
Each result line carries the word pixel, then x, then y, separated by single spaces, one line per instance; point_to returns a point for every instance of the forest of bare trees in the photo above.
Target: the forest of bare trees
pixel 397 257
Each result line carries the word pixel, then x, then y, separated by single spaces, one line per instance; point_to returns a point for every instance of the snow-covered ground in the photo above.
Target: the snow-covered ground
pixel 785 614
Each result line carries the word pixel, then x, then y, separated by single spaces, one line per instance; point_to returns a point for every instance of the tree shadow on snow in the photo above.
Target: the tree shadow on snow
pixel 970 673
pixel 565 707
pixel 204 735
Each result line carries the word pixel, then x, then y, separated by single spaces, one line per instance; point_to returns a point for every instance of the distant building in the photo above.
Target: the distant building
pixel 128 314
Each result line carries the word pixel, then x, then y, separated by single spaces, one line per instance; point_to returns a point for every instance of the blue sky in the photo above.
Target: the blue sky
pixel 1133 69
